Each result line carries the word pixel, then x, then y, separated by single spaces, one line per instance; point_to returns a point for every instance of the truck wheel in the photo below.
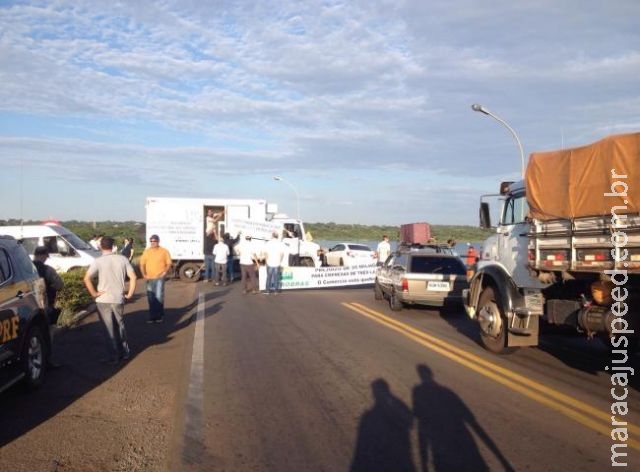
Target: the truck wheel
pixel 493 323
pixel 190 272
pixel 34 358
pixel 377 291
pixel 394 303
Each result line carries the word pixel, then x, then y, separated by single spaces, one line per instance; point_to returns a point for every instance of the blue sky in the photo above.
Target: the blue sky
pixel 363 107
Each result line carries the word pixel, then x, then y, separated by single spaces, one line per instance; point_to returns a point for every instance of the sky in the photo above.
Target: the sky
pixel 363 108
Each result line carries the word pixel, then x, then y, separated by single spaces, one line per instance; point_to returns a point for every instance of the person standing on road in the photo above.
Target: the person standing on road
pixel 383 250
pixel 209 243
pixel 471 255
pixel 127 249
pixel 274 252
pixel 220 257
pixel 248 265
pixel 112 270
pixel 155 264
pixel 231 243
pixel 52 281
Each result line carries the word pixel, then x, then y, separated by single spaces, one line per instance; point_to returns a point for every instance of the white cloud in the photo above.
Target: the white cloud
pixel 161 93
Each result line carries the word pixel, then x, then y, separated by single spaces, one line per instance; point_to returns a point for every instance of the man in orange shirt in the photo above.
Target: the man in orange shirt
pixel 471 255
pixel 155 264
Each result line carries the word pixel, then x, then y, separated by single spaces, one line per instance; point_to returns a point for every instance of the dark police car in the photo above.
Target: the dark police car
pixel 25 343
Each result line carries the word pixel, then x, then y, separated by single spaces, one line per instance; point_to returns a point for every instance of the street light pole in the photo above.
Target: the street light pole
pixel 280 179
pixel 481 109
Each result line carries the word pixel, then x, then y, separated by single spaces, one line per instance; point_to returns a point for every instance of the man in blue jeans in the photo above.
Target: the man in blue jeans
pixel 209 243
pixel 274 253
pixel 155 264
pixel 230 242
pixel 112 270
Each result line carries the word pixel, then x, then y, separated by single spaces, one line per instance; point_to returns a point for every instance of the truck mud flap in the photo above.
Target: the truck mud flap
pixel 523 330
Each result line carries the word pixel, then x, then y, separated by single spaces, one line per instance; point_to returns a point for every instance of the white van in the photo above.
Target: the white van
pixel 67 251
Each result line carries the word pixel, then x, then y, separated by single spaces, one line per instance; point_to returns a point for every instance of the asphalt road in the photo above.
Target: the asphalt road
pixel 323 380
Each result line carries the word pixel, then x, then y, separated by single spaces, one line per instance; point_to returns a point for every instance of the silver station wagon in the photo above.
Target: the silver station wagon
pixel 422 277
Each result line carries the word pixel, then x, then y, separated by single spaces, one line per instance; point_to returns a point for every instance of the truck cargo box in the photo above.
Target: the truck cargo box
pixel 415 233
pixel 572 183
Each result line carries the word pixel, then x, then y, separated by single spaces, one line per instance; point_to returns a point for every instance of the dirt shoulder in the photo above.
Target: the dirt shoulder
pixel 89 416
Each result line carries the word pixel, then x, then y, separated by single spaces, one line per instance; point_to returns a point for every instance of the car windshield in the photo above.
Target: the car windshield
pixel 76 242
pixel 437 265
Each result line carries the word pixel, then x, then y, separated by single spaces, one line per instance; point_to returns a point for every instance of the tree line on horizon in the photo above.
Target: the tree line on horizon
pixel 322 231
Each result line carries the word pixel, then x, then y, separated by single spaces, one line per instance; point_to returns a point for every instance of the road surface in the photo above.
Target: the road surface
pixel 322 380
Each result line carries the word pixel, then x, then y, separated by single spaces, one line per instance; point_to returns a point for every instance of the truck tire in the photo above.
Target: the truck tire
pixel 493 334
pixel 190 272
pixel 394 303
pixel 34 358
pixel 377 291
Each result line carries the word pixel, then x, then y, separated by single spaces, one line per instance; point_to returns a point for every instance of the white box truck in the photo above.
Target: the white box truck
pixel 67 251
pixel 181 224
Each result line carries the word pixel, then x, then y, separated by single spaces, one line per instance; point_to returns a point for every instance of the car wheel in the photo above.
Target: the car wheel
pixel 341 262
pixel 189 272
pixel 377 291
pixel 493 323
pixel 394 302
pixel 34 358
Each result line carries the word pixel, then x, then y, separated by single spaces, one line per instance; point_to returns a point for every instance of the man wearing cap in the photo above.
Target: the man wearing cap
pixel 112 270
pixel 155 264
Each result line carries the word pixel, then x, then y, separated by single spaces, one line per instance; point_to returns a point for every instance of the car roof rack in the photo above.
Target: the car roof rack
pixel 438 248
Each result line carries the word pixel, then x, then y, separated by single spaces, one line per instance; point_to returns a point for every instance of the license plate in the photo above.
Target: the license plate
pixel 438 286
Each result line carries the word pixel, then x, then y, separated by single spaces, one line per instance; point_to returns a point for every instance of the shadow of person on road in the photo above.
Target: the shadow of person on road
pixel 445 425
pixel 383 442
pixel 458 319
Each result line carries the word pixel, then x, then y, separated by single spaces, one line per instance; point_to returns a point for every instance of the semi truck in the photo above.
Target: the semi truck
pixel 182 224
pixel 566 250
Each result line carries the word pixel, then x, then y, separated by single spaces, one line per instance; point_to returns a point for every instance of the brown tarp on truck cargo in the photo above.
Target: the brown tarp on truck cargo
pixel 572 183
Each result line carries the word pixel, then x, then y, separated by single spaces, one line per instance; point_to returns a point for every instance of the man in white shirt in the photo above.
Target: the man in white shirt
pixel 220 255
pixel 274 252
pixel 248 265
pixel 384 249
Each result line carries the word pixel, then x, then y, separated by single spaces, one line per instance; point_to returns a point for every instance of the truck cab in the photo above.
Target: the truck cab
pixel 503 295
pixel 508 248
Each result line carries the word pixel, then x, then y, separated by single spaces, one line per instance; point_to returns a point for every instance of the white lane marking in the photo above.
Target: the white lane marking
pixel 193 413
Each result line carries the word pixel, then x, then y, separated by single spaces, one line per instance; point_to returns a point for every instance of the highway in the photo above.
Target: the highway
pixel 316 380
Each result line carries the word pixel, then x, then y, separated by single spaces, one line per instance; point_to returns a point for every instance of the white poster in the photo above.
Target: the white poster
pixel 321 277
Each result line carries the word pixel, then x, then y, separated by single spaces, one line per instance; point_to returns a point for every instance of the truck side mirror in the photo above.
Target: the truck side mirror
pixel 485 216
